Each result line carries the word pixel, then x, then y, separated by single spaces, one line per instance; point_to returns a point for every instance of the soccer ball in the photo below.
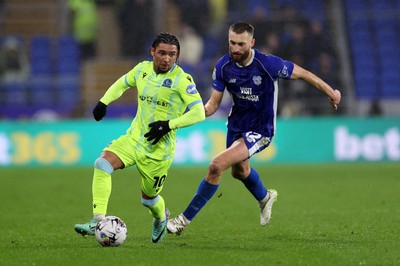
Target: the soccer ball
pixel 111 231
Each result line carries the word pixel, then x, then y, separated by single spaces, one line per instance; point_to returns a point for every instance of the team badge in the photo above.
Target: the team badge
pixel 167 83
pixel 191 89
pixel 257 80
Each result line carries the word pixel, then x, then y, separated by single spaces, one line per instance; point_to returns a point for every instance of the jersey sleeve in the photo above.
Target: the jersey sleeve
pixel 121 85
pixel 217 79
pixel 277 67
pixel 192 99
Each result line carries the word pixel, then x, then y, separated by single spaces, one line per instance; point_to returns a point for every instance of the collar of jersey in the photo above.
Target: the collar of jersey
pixel 172 68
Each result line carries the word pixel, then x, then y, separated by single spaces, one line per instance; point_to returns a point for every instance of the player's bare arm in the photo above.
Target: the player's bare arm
pixel 213 103
pixel 334 95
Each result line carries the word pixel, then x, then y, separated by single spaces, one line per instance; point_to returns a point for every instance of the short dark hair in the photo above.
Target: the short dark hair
pixel 241 27
pixel 165 37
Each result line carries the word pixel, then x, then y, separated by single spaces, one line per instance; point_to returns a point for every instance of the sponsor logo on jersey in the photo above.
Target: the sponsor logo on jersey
pixel 253 98
pixel 257 80
pixel 167 83
pixel 247 94
pixel 284 72
pixel 151 100
pixel 245 90
pixel 191 89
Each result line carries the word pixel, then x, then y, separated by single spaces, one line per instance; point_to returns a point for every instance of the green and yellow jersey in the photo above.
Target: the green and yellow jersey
pixel 164 96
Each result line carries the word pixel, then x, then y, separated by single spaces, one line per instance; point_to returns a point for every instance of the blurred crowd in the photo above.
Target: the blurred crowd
pixel 201 26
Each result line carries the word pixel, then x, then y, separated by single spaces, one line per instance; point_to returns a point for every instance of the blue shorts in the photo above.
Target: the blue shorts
pixel 255 142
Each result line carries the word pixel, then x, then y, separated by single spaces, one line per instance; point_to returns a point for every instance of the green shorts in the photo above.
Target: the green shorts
pixel 153 172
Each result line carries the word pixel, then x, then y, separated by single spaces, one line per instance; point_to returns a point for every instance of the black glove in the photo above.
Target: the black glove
pixel 99 111
pixel 157 131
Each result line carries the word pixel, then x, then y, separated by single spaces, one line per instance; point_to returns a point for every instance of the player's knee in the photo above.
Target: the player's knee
pixel 214 168
pixel 104 165
pixel 150 202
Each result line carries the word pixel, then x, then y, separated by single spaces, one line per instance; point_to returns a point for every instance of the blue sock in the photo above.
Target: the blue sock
pixel 203 194
pixel 255 186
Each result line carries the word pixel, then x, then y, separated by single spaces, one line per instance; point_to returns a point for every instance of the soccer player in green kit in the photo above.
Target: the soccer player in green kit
pixel 165 92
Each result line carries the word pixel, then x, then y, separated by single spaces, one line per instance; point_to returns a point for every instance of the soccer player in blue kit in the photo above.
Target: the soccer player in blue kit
pixel 251 78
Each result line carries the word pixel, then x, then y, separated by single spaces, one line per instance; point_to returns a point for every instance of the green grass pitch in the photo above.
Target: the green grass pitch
pixel 336 214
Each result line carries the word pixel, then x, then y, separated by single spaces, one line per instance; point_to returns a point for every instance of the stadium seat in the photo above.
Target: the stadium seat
pixel 68 46
pixel 42 92
pixel 294 3
pixel 67 61
pixel 41 55
pixel 67 82
pixel 15 93
pixel 356 6
pixel 67 92
pixel 390 83
pixel 382 5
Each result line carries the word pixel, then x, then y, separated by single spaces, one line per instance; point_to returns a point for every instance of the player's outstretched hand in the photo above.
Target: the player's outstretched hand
pixel 157 130
pixel 335 99
pixel 99 111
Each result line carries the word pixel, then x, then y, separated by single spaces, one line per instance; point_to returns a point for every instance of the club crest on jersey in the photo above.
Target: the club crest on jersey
pixel 167 83
pixel 257 80
pixel 191 89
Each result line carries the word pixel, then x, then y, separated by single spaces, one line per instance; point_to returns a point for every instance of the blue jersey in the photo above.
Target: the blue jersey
pixel 254 90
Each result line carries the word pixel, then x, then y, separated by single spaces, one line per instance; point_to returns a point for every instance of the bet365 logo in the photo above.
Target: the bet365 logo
pixel 372 146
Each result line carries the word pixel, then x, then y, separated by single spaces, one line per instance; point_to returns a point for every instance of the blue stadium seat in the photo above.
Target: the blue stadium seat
pixel 387 33
pixel 41 55
pixel 377 55
pixel 15 93
pixel 42 91
pixel 295 3
pixel 365 80
pixel 68 61
pixel 213 46
pixel 68 92
pixel 384 5
pixel 391 63
pixel 355 6
pixel 67 66
pixel 362 51
pixel 390 84
pixel 68 47
pixel 253 5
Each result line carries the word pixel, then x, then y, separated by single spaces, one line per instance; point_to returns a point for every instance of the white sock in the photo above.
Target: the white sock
pixel 99 217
